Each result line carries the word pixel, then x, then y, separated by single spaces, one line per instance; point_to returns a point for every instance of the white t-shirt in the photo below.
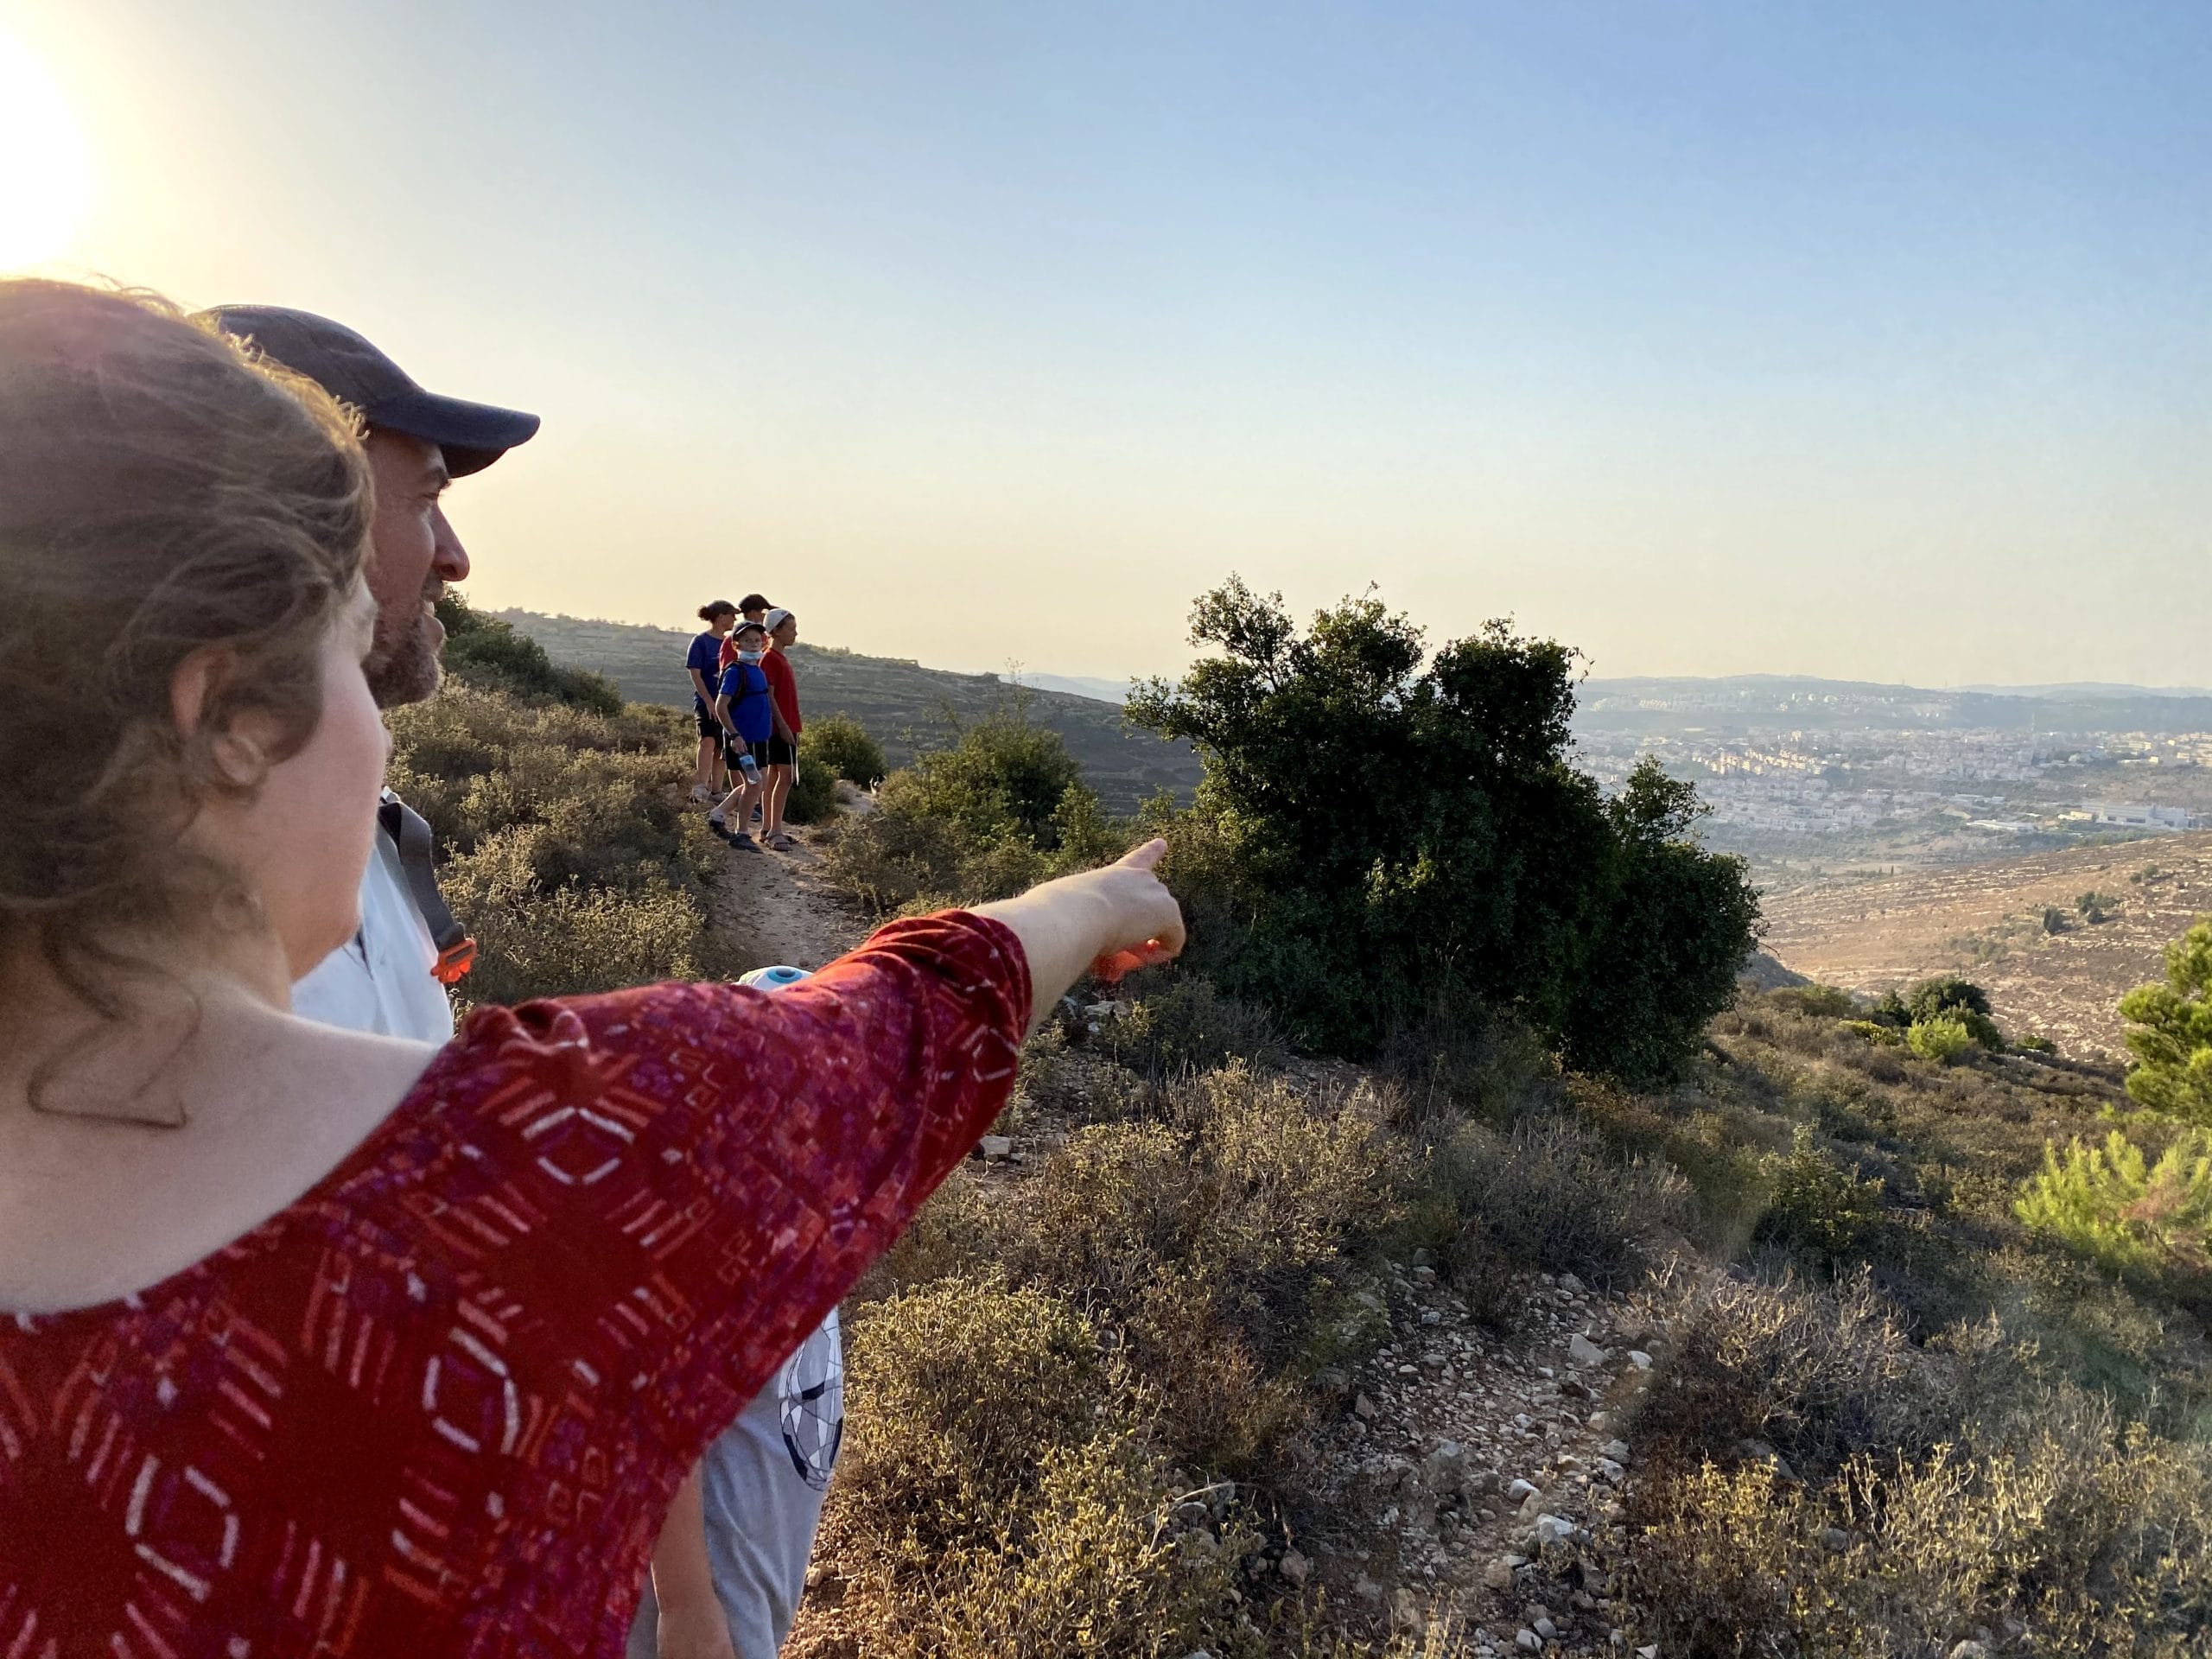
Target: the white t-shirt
pixel 382 981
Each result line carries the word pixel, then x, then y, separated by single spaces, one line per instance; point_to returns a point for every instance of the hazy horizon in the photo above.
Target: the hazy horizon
pixel 1712 340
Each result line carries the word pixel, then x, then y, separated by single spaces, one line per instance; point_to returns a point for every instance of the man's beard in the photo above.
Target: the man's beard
pixel 406 669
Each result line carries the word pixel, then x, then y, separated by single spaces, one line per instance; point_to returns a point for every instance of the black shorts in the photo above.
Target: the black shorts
pixel 780 754
pixel 708 725
pixel 733 746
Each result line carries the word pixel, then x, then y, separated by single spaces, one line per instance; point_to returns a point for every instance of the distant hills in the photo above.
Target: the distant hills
pixel 905 705
pixel 1078 685
pixel 1765 701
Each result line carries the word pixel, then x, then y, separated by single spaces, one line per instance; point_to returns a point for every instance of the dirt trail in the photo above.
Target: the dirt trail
pixel 778 908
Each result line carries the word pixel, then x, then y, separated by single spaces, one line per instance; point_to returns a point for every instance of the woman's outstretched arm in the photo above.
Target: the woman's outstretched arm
pixel 1120 916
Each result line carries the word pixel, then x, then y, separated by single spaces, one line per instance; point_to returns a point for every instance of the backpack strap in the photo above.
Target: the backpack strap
pixel 411 833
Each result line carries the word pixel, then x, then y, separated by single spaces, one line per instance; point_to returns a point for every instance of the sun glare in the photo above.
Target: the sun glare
pixel 45 173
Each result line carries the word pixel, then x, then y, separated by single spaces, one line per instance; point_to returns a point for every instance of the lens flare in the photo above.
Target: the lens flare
pixel 45 171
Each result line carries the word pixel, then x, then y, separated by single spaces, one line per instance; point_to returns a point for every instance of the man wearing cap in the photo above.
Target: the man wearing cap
pixel 392 978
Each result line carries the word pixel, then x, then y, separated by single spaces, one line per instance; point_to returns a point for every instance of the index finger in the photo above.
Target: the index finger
pixel 1146 856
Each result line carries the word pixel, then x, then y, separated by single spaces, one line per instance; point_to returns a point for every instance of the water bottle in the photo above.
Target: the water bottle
pixel 745 765
pixel 773 979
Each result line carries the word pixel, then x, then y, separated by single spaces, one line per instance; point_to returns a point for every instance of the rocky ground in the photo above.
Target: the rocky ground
pixel 1471 1478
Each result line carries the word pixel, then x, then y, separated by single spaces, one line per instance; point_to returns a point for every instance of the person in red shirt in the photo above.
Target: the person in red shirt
pixel 752 608
pixel 324 1343
pixel 782 747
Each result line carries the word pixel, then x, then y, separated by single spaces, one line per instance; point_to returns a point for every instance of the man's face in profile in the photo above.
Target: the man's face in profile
pixel 415 555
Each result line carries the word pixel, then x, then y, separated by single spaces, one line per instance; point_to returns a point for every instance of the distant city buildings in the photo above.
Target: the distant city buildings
pixel 1885 791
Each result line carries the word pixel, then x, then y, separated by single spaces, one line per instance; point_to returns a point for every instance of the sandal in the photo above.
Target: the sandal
pixel 783 843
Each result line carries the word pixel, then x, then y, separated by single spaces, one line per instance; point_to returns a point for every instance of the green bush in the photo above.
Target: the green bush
pixel 2170 1031
pixel 1817 1204
pixel 1488 866
pixel 842 744
pixel 1945 998
pixel 1001 810
pixel 813 799
pixel 489 653
pixel 1817 1001
pixel 2122 1211
pixel 1942 1037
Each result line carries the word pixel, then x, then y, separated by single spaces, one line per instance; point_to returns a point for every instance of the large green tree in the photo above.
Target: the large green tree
pixel 2170 1031
pixel 1381 828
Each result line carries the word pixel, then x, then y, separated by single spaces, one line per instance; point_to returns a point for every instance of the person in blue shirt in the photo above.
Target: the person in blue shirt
pixel 704 663
pixel 747 718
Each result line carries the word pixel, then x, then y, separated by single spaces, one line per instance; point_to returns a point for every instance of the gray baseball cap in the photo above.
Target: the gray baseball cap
pixel 471 436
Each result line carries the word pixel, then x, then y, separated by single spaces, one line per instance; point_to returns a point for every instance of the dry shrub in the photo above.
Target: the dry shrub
pixel 1214 1238
pixel 1819 1374
pixel 2099 1540
pixel 996 1496
pixel 1218 1405
pixel 1460 1052
pixel 960 1231
pixel 1088 1569
pixel 2050 1532
pixel 1713 1560
pixel 955 1391
pixel 1548 1193
pixel 1245 1183
pixel 1186 1025
pixel 567 853
pixel 1065 1083
pixel 571 940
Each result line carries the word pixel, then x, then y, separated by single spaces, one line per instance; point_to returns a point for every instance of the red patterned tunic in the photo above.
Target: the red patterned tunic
pixel 439 1405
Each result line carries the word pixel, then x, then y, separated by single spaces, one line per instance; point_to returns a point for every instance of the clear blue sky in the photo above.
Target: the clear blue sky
pixel 1867 340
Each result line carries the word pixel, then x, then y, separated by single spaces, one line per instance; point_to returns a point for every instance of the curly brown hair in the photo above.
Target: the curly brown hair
pixel 162 494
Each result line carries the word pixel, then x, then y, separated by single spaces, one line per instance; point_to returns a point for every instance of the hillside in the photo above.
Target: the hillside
pixel 1761 701
pixel 1987 920
pixel 903 703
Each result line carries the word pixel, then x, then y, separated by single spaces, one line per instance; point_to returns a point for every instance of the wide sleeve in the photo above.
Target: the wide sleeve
pixel 709 1168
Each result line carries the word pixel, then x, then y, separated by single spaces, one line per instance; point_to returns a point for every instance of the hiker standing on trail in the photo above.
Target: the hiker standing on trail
pixel 704 663
pixel 752 608
pixel 744 707
pixel 391 978
pixel 783 744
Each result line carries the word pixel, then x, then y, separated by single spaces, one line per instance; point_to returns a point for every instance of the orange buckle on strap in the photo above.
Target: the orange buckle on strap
pixel 454 962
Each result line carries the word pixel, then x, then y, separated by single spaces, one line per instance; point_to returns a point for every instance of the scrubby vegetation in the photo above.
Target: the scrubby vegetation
pixel 1914 1384
pixel 1001 808
pixel 1923 1312
pixel 563 846
pixel 491 654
